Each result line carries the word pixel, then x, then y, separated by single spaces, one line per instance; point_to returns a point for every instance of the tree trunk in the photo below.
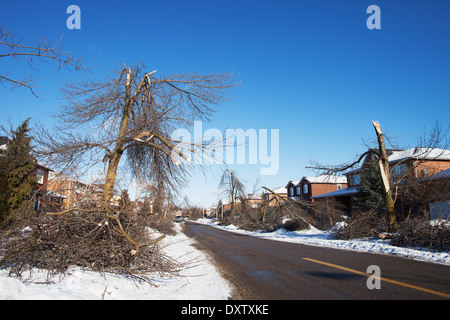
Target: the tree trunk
pixel 110 179
pixel 115 156
pixel 385 178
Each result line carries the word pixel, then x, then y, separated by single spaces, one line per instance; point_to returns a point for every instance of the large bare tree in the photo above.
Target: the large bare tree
pixel 131 114
pixel 232 188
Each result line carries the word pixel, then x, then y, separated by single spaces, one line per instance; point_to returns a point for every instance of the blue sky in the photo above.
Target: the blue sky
pixel 311 69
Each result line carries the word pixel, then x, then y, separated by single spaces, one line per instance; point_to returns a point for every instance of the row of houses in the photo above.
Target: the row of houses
pixel 54 191
pixel 303 190
pixel 421 165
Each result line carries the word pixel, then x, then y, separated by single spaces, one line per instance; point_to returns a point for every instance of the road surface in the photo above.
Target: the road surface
pixel 275 270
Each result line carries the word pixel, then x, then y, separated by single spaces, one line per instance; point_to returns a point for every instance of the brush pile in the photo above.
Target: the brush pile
pixel 86 239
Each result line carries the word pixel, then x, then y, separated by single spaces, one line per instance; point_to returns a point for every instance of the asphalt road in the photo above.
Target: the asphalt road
pixel 274 270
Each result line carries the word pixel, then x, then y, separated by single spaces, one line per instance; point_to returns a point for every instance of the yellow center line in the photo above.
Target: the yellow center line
pixel 441 294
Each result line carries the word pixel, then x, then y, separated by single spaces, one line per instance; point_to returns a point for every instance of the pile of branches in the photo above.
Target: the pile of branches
pixel 300 214
pixel 421 232
pixel 86 239
pixel 363 225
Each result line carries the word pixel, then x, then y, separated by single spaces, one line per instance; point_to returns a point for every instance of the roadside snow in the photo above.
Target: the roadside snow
pixel 199 281
pixel 320 238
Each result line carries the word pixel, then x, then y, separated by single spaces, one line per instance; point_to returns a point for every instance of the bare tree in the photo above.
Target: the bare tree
pixel 430 144
pixel 295 209
pixel 232 188
pixel 383 162
pixel 32 54
pixel 131 113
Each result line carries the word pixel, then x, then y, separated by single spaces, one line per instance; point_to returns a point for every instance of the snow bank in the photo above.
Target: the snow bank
pixel 317 237
pixel 200 281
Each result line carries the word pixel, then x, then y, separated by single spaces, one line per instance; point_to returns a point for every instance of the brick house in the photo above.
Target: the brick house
pixel 309 187
pixel 414 163
pixel 254 200
pixel 439 206
pixel 74 191
pixel 41 173
pixel 268 196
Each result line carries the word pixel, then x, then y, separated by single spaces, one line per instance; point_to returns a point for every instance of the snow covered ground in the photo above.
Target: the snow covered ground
pixel 323 238
pixel 198 282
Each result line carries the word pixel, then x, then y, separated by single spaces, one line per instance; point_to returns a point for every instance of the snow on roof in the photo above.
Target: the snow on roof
pixel 414 153
pixel 294 182
pixel 326 178
pixel 255 196
pixel 280 190
pixel 420 154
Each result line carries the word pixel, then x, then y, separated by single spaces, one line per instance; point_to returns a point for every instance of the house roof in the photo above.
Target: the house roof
pixel 44 167
pixel 413 153
pixel 326 178
pixel 294 182
pixel 280 190
pixel 420 154
pixel 255 196
pixel 323 178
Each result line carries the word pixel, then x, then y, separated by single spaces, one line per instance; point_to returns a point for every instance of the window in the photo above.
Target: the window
pixel 399 170
pixel 339 186
pixel 305 189
pixel 40 176
pixel 356 180
pixel 291 192
pixel 297 190
pixel 266 196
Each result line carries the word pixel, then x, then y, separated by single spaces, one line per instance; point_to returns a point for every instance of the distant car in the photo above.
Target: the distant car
pixel 178 219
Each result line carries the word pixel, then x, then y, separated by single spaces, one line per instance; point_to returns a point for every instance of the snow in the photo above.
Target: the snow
pixel 280 190
pixel 323 178
pixel 200 280
pixel 320 238
pixel 421 154
pixel 326 178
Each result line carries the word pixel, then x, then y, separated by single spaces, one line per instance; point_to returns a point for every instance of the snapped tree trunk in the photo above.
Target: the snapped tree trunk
pixel 113 164
pixel 115 156
pixel 383 162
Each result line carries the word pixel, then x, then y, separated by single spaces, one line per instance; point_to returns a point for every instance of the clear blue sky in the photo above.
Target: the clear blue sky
pixel 311 69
